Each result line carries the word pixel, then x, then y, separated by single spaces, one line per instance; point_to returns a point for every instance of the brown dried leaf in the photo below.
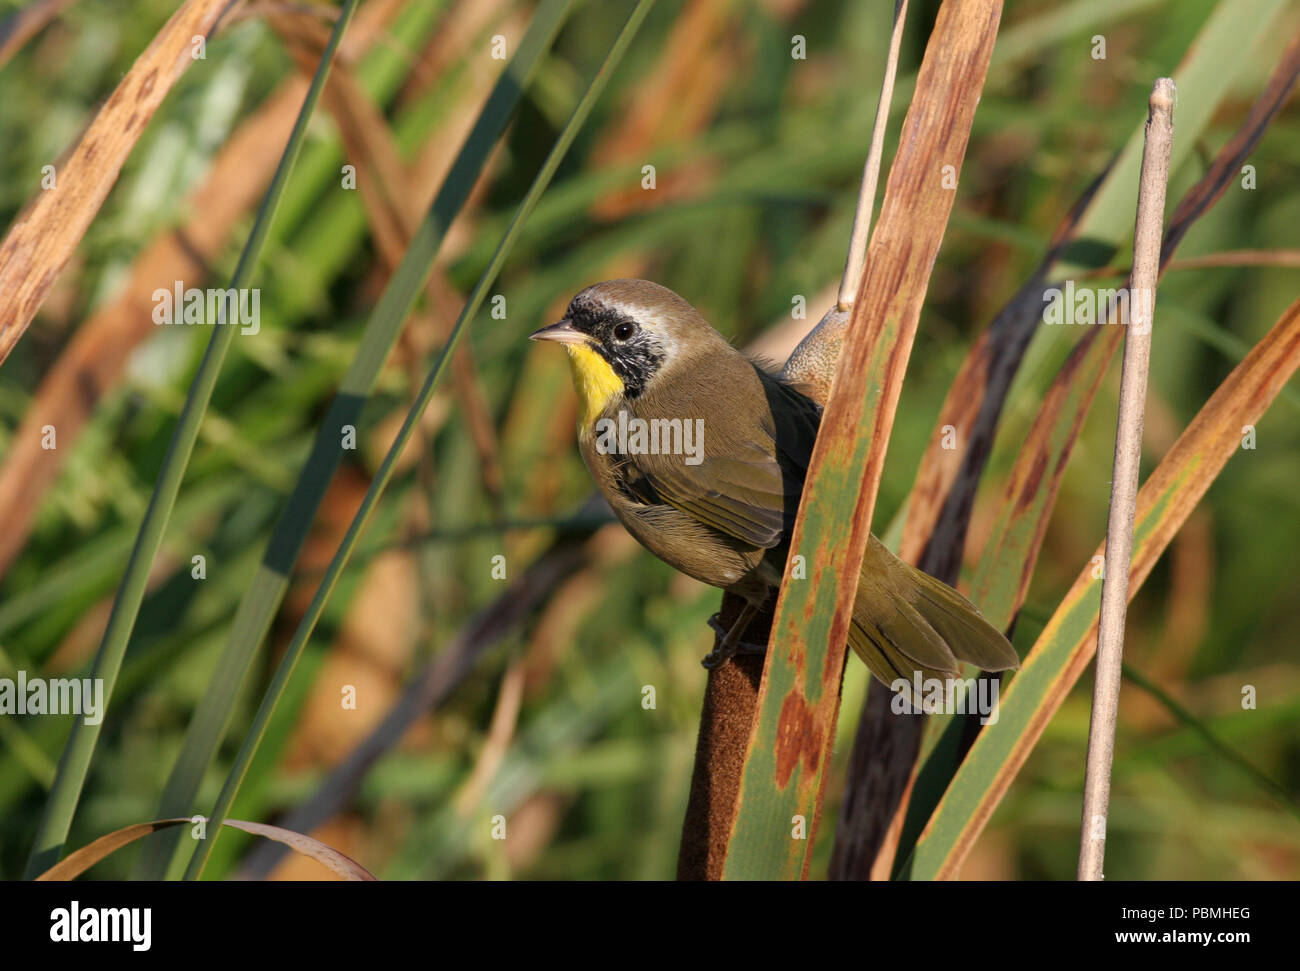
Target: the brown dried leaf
pixel 78 862
pixel 40 243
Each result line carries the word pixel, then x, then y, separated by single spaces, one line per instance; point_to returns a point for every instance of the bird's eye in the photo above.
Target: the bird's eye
pixel 624 330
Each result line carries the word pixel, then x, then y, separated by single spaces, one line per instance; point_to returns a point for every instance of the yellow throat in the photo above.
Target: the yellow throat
pixel 595 381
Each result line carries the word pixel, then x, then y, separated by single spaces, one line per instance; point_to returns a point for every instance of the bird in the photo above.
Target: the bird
pixel 719 502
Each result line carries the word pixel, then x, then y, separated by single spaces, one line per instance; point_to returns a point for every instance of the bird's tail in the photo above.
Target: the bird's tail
pixel 905 622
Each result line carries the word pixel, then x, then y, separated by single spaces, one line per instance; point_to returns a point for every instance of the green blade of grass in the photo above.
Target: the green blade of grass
pixel 75 763
pixel 271 581
pixel 1102 228
pixel 1229 754
pixel 1066 645
pixel 798 700
pixel 1006 564
pixel 420 252
pixel 1204 77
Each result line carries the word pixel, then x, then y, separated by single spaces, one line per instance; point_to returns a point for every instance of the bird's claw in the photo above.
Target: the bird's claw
pixel 729 647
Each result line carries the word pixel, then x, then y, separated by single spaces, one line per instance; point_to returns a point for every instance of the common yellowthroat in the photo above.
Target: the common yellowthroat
pixel 702 456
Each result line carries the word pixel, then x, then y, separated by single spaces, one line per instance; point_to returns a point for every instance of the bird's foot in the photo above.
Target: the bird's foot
pixel 731 643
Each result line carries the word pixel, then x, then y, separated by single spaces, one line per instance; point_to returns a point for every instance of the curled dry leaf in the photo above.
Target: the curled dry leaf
pixel 77 863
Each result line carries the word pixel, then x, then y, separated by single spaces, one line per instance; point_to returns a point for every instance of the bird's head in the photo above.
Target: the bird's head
pixel 625 335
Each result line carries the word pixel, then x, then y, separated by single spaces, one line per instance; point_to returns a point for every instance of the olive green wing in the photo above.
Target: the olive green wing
pixel 750 476
pixel 744 496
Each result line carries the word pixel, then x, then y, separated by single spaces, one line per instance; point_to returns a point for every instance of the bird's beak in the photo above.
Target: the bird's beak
pixel 564 333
